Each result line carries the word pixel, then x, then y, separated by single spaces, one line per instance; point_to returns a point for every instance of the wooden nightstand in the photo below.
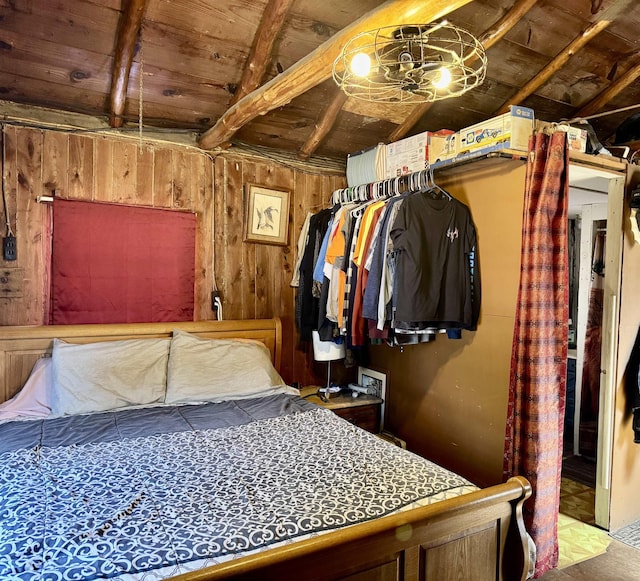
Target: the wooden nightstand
pixel 363 411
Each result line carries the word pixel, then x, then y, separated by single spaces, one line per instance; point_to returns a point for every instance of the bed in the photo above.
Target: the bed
pixel 248 484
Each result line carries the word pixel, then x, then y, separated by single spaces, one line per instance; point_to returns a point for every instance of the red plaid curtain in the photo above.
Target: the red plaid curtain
pixel 533 446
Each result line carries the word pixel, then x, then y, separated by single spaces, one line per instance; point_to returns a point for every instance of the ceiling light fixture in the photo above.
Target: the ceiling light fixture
pixel 413 63
pixel 360 64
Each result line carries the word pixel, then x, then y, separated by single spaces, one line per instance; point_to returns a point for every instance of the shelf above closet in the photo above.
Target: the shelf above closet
pixel 602 165
pixel 482 161
pixel 606 163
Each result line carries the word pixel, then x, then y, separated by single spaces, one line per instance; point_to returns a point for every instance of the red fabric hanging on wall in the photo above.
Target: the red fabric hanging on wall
pixel 121 264
pixel 537 386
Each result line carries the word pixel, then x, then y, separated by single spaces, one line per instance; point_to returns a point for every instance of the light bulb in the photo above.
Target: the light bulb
pixel 443 78
pixel 360 64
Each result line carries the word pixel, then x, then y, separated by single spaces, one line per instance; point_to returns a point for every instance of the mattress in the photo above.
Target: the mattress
pixel 147 493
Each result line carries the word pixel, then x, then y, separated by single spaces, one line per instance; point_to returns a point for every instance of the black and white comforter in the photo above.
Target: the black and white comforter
pixel 149 493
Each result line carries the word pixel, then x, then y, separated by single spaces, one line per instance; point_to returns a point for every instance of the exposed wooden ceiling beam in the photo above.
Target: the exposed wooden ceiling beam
pixel 619 85
pixel 506 23
pixel 488 39
pixel 324 125
pixel 130 23
pixel 407 125
pixel 555 65
pixel 316 66
pixel 262 48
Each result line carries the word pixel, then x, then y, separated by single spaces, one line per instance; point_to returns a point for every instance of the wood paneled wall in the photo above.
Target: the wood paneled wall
pixel 253 278
pixel 101 169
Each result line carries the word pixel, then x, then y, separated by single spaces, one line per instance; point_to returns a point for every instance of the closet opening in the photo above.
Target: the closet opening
pixel 588 207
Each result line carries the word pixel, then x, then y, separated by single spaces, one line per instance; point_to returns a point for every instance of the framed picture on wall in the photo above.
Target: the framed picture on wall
pixel 374 380
pixel 266 215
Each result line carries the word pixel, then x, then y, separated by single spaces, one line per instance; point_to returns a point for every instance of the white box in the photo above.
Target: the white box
pixel 410 154
pixel 509 131
pixel 443 148
pixel 576 137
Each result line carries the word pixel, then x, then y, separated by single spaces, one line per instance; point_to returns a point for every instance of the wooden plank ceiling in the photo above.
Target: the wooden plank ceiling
pixel 258 72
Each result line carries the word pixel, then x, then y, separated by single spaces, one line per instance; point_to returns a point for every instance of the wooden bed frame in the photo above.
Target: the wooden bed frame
pixel 21 347
pixel 476 537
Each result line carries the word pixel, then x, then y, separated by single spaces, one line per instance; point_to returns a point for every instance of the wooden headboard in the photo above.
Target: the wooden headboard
pixel 21 347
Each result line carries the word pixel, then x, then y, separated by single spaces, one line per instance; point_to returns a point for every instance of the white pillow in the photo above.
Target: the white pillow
pixel 103 376
pixel 34 399
pixel 219 369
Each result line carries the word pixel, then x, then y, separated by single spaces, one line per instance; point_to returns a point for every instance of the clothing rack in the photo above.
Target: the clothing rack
pixel 416 180
pixel 386 188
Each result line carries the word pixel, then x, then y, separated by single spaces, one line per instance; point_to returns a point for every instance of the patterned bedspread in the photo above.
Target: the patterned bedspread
pixel 149 493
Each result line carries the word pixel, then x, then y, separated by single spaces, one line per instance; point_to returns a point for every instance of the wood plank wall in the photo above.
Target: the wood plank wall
pixel 253 278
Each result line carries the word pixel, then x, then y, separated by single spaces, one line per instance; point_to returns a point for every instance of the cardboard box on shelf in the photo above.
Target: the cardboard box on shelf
pixel 411 153
pixel 576 137
pixel 510 130
pixel 443 148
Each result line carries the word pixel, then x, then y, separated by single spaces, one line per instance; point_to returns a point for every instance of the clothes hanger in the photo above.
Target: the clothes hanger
pixel 434 189
pixel 417 182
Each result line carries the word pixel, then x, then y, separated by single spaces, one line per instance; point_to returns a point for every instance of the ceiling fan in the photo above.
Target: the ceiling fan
pixel 410 63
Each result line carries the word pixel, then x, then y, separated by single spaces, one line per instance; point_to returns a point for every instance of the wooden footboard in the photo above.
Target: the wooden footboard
pixel 475 537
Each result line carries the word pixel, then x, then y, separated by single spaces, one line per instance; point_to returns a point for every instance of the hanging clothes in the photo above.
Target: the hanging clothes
pixel 369 221
pixel 394 263
pixel 333 264
pixel 306 304
pixel 302 241
pixel 375 265
pixel 436 282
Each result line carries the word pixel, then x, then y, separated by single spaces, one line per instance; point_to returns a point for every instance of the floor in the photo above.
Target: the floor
pixel 578 501
pixel 620 562
pixel 580 469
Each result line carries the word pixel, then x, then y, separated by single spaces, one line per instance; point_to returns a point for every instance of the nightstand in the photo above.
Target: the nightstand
pixel 363 411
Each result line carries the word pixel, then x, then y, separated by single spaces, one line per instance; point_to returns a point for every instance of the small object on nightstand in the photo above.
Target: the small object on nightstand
pixel 364 411
pixel 357 389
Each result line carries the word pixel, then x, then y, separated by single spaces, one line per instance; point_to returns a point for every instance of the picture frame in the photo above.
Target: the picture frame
pixel 266 215
pixel 374 379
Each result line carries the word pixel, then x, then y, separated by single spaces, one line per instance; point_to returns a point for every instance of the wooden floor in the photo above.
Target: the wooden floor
pixel 620 563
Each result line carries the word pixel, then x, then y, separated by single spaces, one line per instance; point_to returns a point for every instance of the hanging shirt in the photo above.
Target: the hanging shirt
pixel 306 304
pixel 358 327
pixel 374 262
pixel 302 242
pixel 351 239
pixel 333 266
pixel 363 233
pixel 318 271
pixel 387 278
pixel 437 267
